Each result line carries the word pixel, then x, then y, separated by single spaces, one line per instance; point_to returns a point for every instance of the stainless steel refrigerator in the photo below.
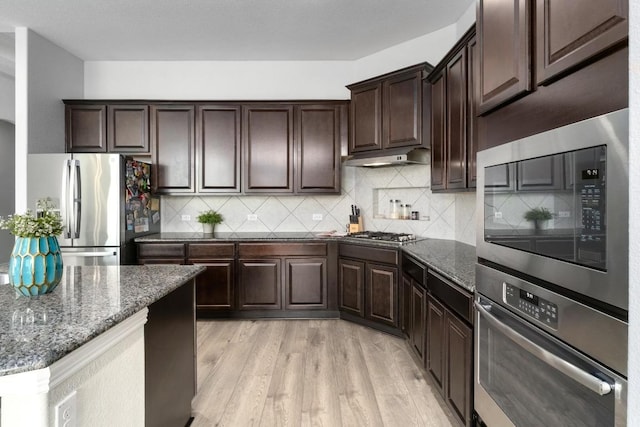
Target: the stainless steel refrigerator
pixel 105 202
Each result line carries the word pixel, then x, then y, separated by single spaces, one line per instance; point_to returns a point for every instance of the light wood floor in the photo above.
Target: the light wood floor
pixel 309 373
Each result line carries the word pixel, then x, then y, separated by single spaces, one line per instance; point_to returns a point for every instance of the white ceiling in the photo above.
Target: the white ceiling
pixel 229 29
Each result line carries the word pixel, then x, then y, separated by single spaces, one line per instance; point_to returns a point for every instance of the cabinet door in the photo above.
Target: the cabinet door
pixel 570 33
pixel 318 149
pixel 218 142
pixel 456 121
pixel 366 118
pixel 145 261
pixel 405 307
pixel 435 342
pixel 259 284
pixel 472 111
pixel 382 294
pixel 504 36
pixel 268 149
pixel 86 130
pixel 438 133
pixel 172 139
pixel 458 367
pixel 418 327
pixel 306 283
pixel 128 128
pixel 402 111
pixel 351 286
pixel 214 286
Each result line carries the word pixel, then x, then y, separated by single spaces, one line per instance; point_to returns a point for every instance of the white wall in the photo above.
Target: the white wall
pixel 255 80
pixel 7 183
pixel 7 98
pixel 633 403
pixel 45 74
pixel 219 80
pixel 466 20
pixel 54 74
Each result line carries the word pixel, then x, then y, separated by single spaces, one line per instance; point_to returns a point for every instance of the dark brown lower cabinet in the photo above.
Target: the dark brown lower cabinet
pixel 306 283
pixel 435 341
pixel 405 308
pixel 382 294
pixel 449 358
pixel 214 287
pixel 368 286
pixel 351 286
pixel 418 307
pixel 259 284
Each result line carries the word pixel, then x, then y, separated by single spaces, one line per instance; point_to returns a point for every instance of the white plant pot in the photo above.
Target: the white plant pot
pixel 208 228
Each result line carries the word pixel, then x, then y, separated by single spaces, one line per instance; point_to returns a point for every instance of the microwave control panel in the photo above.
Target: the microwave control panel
pixel 532 305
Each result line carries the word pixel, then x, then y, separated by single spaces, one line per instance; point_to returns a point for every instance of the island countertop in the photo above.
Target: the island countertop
pixel 38 331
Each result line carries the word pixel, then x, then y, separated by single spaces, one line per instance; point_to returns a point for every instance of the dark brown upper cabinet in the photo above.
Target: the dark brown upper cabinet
pixel 318 135
pixel 386 111
pixel 572 33
pixel 402 110
pixel 453 123
pixel 504 38
pixel 101 128
pixel 438 132
pixel 86 130
pixel 366 115
pixel 268 149
pixel 128 130
pixel 218 148
pixel 172 137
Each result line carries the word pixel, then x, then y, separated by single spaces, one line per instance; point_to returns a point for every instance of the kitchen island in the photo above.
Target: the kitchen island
pixel 86 341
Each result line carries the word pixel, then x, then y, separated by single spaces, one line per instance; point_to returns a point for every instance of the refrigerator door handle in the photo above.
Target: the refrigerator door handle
pixel 77 198
pixel 64 204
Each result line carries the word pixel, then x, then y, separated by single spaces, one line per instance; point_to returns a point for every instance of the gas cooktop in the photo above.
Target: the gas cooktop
pixel 398 238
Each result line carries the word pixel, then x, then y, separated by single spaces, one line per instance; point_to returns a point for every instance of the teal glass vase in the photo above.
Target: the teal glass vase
pixel 35 266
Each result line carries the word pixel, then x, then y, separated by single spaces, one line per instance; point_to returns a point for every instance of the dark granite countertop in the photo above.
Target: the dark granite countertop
pixel 453 259
pixel 88 301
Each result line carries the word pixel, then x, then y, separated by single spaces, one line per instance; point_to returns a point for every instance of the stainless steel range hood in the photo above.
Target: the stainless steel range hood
pixel 395 157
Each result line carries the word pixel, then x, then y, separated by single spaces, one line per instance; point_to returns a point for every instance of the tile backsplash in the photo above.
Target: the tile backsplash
pixel 444 216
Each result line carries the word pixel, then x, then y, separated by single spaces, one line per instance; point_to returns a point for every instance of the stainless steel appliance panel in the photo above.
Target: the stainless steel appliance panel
pixel 100 216
pixel 91 256
pixel 524 377
pixel 596 334
pixel 606 282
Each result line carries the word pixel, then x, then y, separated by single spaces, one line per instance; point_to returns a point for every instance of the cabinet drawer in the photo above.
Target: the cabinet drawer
pixel 281 249
pixel 155 250
pixel 211 250
pixel 387 256
pixel 415 270
pixel 451 295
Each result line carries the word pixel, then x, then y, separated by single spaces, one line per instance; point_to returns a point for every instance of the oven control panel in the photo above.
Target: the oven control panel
pixel 532 305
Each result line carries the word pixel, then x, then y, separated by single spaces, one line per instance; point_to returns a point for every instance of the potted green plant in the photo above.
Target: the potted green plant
pixel 539 216
pixel 35 264
pixel 209 219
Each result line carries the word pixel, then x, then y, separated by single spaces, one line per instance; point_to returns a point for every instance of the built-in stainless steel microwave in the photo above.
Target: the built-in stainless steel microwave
pixel 554 207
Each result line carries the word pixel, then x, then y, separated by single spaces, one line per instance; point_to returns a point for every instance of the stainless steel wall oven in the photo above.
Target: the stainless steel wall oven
pixel 552 277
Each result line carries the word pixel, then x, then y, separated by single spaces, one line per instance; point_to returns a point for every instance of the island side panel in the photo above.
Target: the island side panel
pixel 170 365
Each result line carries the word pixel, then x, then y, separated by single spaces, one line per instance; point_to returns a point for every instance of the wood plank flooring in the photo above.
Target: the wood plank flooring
pixel 328 373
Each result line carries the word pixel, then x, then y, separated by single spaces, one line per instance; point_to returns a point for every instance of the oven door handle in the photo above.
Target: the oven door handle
pixel 586 379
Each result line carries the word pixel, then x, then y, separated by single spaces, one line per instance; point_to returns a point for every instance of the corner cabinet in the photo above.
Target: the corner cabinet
pixel 386 111
pixel 453 123
pixel 215 286
pixel 368 286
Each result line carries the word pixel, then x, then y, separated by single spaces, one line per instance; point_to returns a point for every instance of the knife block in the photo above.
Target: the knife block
pixel 355 227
